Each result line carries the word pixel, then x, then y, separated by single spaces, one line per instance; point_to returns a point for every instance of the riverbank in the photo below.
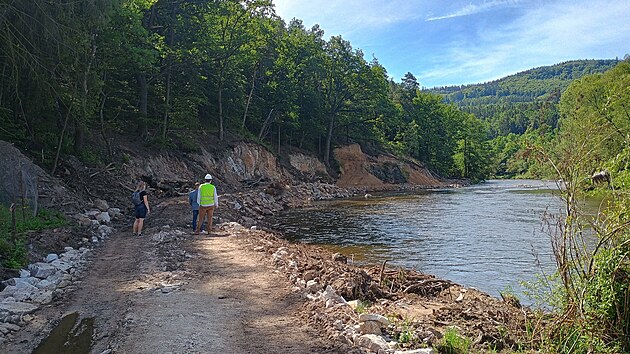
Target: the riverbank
pixel 129 288
pixel 242 284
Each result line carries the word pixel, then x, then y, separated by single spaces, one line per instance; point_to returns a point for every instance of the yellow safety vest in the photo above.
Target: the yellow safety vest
pixel 207 194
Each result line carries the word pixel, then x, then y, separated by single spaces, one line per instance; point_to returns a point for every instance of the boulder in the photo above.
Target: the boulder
pixel 101 205
pixel 42 270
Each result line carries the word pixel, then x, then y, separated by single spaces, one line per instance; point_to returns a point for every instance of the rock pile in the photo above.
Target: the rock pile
pixel 327 281
pixel 55 275
pixel 98 219
pixel 38 286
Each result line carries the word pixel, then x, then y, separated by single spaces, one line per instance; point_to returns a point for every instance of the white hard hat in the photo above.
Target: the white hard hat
pixel 208 176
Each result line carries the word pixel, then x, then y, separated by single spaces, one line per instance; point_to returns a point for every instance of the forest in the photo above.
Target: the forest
pixel 167 72
pixel 170 72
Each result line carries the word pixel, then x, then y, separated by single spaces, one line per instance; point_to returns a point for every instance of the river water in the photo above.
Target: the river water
pixel 488 236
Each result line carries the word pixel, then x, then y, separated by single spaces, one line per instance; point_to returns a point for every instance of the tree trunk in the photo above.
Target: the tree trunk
pixel 331 124
pixel 143 93
pixel 249 98
pixel 263 129
pixel 168 102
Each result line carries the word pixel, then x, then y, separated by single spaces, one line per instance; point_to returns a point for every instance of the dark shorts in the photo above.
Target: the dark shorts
pixel 141 211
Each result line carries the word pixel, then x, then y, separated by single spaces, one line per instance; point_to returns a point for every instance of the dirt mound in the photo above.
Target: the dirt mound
pixel 382 172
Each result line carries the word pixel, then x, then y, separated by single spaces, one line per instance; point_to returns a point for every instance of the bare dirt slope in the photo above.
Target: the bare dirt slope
pixel 167 292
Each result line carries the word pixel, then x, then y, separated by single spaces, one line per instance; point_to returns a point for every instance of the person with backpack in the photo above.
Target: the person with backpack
pixel 141 207
pixel 208 200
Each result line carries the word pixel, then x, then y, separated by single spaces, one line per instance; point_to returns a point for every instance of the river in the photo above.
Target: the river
pixel 488 236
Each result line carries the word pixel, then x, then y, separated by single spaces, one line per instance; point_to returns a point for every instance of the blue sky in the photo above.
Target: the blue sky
pixel 464 42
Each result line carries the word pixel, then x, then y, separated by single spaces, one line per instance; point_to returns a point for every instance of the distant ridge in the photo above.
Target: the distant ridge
pixel 521 91
pixel 524 86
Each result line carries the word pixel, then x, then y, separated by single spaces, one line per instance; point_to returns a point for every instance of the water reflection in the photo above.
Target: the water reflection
pixel 488 236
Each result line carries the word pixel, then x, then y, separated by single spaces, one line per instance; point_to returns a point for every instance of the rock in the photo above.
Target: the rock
pixel 84 220
pixel 104 231
pixel 104 218
pixel 42 270
pixel 370 327
pixel 51 257
pixel 17 308
pixel 310 275
pixel 372 342
pixel 114 212
pixel 417 351
pixel 43 298
pixel 101 205
pixel 8 327
pixel 364 317
pixel 62 265
pixel 460 298
pixel 92 213
pixel 354 304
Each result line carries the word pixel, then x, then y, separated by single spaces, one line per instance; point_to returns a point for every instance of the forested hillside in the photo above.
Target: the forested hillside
pixel 169 73
pixel 523 100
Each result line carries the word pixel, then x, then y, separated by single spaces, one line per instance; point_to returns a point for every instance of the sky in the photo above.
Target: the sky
pixel 454 42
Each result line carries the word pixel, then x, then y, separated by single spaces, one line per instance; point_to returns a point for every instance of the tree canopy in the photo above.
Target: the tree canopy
pixel 168 71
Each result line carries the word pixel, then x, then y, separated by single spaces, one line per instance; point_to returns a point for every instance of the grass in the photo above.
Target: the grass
pixel 13 239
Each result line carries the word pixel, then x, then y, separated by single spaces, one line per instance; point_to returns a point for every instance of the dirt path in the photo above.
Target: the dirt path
pixel 169 293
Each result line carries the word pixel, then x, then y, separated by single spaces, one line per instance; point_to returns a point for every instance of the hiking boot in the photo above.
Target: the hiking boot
pixel 204 232
pixel 139 234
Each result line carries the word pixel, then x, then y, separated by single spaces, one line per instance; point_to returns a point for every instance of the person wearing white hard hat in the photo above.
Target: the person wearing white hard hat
pixel 208 200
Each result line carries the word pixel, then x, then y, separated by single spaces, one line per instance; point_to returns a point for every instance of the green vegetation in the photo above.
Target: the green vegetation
pixel 453 342
pixel 591 290
pixel 14 226
pixel 169 73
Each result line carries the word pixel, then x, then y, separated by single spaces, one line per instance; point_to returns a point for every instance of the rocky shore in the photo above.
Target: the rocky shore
pixel 355 310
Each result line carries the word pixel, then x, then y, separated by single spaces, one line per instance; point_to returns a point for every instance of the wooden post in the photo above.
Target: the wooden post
pixel 13 226
pixel 22 197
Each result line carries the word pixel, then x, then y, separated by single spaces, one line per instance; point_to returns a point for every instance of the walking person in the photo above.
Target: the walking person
pixel 208 200
pixel 141 204
pixel 192 200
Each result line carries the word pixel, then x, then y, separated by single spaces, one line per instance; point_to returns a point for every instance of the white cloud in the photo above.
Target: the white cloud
pixel 472 9
pixel 547 34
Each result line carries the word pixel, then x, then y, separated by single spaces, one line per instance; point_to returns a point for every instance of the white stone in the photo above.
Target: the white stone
pixel 417 351
pixel 51 257
pixel 92 213
pixel 24 273
pixel 460 298
pixel 104 218
pixel 104 231
pixel 61 265
pixel 42 270
pixel 8 327
pixel 372 342
pixel 45 284
pixel 114 212
pixel 17 308
pixel 374 317
pixel 43 298
pixel 354 304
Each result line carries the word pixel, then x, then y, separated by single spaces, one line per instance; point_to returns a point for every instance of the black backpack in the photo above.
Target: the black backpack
pixel 135 198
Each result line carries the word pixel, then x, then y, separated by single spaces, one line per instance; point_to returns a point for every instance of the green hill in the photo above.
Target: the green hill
pixel 516 102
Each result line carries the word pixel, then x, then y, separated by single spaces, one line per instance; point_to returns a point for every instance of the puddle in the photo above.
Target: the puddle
pixel 69 337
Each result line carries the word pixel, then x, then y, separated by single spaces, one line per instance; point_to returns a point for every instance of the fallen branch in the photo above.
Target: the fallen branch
pixel 106 169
